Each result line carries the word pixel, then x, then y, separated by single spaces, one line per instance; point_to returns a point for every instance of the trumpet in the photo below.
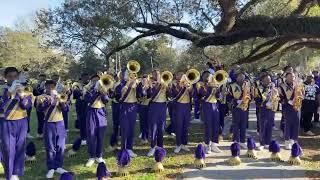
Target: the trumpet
pixel 166 77
pixel 192 76
pixel 106 82
pixel 220 77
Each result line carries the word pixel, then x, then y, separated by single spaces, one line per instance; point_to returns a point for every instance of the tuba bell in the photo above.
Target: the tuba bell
pixel 106 82
pixel 220 77
pixel 166 77
pixel 133 68
pixel 192 76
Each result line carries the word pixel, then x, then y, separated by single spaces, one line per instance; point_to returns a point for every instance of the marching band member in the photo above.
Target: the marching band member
pixel 37 91
pixel 170 129
pixel 81 105
pixel 52 104
pixel 309 104
pixel 257 99
pixel 268 97
pixel 96 97
pixel 240 94
pixel 290 94
pixel 182 93
pixel 143 109
pixel 128 93
pixel 115 106
pixel 209 93
pixel 287 69
pixel 316 77
pixel 157 92
pixel 63 89
pixel 14 124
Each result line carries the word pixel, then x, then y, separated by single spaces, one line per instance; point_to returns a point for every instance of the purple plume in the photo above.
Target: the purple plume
pixel 274 147
pixel 200 153
pixel 76 144
pixel 123 158
pixel 251 144
pixel 296 150
pixel 31 149
pixel 67 176
pixel 235 149
pixel 159 154
pixel 102 171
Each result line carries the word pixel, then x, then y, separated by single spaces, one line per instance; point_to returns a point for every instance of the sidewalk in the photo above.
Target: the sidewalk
pixel 262 168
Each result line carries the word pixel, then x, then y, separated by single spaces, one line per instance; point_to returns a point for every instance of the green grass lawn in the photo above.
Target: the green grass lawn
pixel 141 167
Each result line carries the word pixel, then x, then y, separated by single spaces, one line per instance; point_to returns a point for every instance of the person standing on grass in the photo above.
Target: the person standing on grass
pixel 157 92
pixel 81 106
pixel 182 94
pixel 37 91
pixel 14 124
pixel 143 109
pixel 115 106
pixel 96 118
pixel 129 92
pixel 309 104
pixel 54 129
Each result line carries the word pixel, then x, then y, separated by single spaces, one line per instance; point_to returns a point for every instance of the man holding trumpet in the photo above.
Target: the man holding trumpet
pixel 13 110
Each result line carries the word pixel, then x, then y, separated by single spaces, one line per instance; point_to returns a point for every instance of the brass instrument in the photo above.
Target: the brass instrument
pixel 42 98
pixel 274 98
pixel 76 85
pixel 298 97
pixel 166 77
pixel 192 76
pixel 63 98
pixel 220 77
pixel 106 82
pixel 133 66
pixel 245 97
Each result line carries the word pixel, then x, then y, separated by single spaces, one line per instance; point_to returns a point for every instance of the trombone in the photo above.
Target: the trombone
pixel 192 76
pixel 106 82
pixel 220 77
pixel 133 67
pixel 166 77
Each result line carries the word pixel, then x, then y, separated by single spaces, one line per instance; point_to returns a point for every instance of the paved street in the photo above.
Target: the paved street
pixel 262 168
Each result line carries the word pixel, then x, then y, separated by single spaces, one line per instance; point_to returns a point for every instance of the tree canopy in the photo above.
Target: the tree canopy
pixel 277 24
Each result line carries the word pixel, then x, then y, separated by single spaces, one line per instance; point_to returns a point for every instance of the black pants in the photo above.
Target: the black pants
pixel 306 120
pixel 316 117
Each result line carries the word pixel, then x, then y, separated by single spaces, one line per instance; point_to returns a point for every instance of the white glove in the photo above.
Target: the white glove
pixel 239 101
pixel 268 104
pixel 290 102
pixel 14 86
pixel 54 92
pixel 96 86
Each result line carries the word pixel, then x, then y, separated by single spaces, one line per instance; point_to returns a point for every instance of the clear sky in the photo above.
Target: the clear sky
pixel 12 10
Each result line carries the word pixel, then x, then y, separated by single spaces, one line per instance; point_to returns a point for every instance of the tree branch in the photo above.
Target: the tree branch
pixel 228 16
pixel 248 6
pixel 303 6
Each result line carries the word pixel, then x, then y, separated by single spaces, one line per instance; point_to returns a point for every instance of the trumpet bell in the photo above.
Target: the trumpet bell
pixel 220 77
pixel 166 77
pixel 193 76
pixel 106 81
pixel 133 66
